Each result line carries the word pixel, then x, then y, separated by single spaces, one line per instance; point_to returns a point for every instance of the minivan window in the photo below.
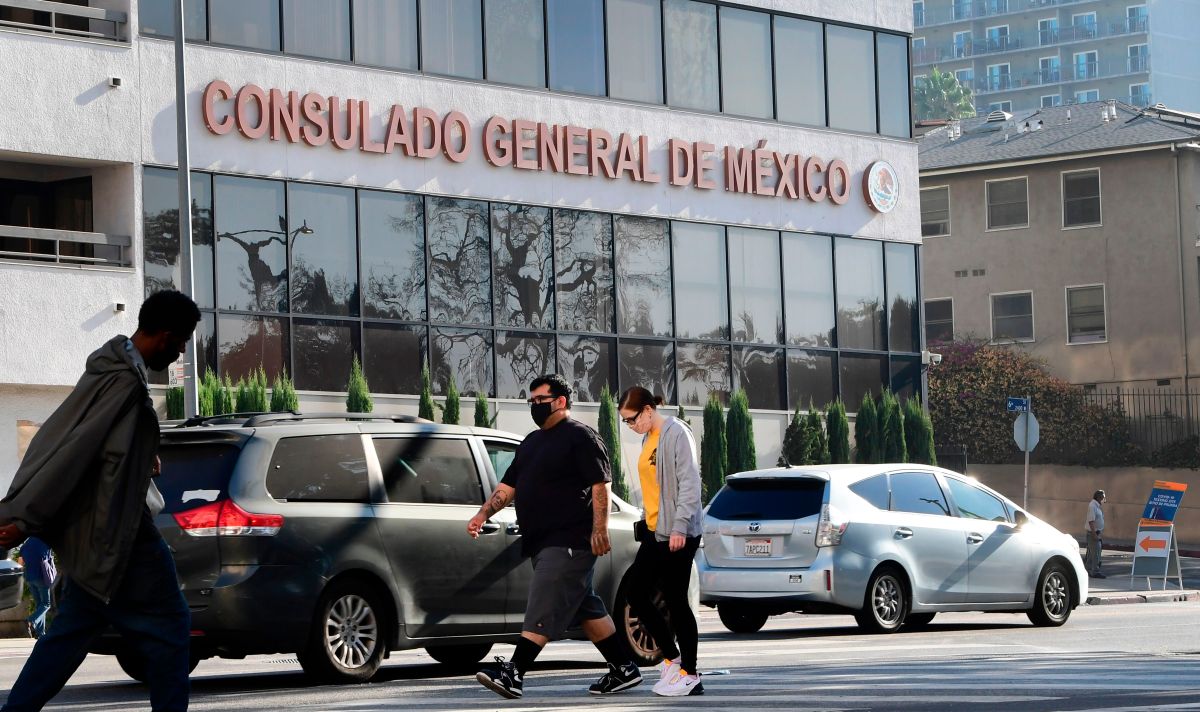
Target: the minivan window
pixel 768 498
pixel 974 503
pixel 319 468
pixel 194 474
pixel 874 490
pixel 917 492
pixel 501 455
pixel 427 470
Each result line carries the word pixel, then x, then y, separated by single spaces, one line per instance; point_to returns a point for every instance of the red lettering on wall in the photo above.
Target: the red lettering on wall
pixel 427 132
pixel 316 132
pixel 837 180
pixel 812 191
pixel 216 90
pixel 599 144
pixel 245 120
pixel 525 140
pixel 551 152
pixel 369 144
pixel 498 150
pixel 456 130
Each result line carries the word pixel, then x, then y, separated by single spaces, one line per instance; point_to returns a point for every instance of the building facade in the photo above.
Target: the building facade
pixel 1072 234
pixel 693 196
pixel 1026 54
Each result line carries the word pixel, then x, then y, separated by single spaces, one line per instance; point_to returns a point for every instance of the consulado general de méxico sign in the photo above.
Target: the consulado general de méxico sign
pixel 317 120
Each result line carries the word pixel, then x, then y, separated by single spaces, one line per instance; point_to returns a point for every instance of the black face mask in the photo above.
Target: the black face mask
pixel 540 412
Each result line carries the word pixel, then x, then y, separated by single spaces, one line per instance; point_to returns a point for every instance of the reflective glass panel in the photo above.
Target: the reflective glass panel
pixel 588 363
pixel 906 376
pixel 157 17
pixel 460 288
pixel 861 375
pixel 516 51
pixel 251 257
pixel 583 278
pixel 860 296
pixel 690 29
pixel 465 353
pixel 808 289
pixel 760 373
pixel 891 53
pixel 852 96
pixel 206 350
pixel 247 342
pixel 323 351
pixel 649 364
pixel 811 378
pixel 576 45
pixel 754 285
pixel 317 28
pixel 392 242
pixel 701 295
pixel 324 274
pixel 702 369
pixel 160 229
pixel 523 266
pixel 799 71
pixel 1085 314
pixel 643 276
pixel 385 33
pixel 392 357
pixel 746 63
pixel 245 23
pixel 903 317
pixel 635 50
pixel 452 38
pixel 520 358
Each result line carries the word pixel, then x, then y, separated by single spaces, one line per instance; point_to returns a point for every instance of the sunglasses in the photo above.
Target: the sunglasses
pixel 631 419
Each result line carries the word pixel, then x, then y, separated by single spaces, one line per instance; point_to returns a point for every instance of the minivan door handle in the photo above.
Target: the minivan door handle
pixel 904 533
pixel 489 528
pixel 974 538
pixel 514 529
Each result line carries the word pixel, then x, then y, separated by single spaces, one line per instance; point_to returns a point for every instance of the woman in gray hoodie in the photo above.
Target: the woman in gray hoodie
pixel 669 536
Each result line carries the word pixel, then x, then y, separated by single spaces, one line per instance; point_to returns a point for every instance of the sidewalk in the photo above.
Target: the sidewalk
pixel 1118 587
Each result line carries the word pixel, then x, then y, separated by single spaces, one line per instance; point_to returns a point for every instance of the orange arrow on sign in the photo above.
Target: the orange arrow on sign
pixel 1149 543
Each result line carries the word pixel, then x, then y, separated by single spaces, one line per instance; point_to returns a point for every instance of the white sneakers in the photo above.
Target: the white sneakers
pixel 670 668
pixel 673 683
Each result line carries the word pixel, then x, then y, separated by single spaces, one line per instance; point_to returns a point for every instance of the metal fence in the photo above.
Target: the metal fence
pixel 953 458
pixel 1155 418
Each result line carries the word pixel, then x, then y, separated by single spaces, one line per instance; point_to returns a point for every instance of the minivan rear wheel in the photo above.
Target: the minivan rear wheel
pixel 740 618
pixel 885 604
pixel 459 656
pixel 1052 600
pixel 347 642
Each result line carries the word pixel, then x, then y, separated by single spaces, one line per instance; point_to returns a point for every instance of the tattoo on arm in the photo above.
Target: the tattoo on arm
pixel 500 499
pixel 600 506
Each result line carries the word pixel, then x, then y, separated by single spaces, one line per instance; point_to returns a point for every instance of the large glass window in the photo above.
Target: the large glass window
pixel 160 233
pixel 635 50
pixel 690 29
pixel 919 493
pixel 576 45
pixel 323 245
pixel 1012 317
pixel 891 62
pixel 520 358
pixel 939 320
pixel 392 242
pixel 247 342
pixel 465 353
pixel 317 28
pixel 860 375
pixel 800 71
pixel 701 298
pixel 516 49
pixel 428 470
pixel 643 276
pixel 452 38
pixel 244 23
pixel 320 468
pixel 903 317
pixel 808 289
pixel 1085 314
pixel 649 364
pixel 251 246
pixel 906 376
pixel 589 363
pixel 812 378
pixel 703 369
pixel 583 244
pixel 523 266
pixel 393 355
pixel 157 17
pixel 852 96
pixel 323 351
pixel 935 211
pixel 1007 203
pixel 385 33
pixel 459 261
pixel 760 372
pixel 754 287
pixel 746 63
pixel 1081 198
pixel 860 295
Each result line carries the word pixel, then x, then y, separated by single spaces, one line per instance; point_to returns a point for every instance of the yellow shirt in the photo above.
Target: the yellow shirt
pixel 648 474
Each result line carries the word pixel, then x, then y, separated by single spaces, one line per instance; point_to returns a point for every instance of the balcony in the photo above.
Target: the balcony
pixel 64 247
pixel 964 10
pixel 1082 71
pixel 71 18
pixel 983 46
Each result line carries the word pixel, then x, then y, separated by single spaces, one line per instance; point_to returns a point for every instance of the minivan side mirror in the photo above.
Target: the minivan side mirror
pixel 1021 519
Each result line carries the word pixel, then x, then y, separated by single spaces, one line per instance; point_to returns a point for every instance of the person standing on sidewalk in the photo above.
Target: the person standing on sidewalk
pixel 82 487
pixel 562 471
pixel 40 574
pixel 669 535
pixel 1095 532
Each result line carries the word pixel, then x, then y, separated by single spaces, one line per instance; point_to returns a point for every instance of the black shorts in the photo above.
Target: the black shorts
pixel 560 593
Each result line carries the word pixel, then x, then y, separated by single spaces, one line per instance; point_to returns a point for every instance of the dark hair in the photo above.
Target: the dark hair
pixel 558 385
pixel 170 311
pixel 1098 494
pixel 638 398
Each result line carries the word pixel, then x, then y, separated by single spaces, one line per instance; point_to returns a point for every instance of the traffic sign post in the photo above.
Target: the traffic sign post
pixel 1026 433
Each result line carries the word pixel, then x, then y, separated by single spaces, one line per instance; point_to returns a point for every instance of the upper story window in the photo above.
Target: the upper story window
pixel 1012 316
pixel 939 320
pixel 690 34
pixel 1051 100
pixel 1007 203
pixel 317 28
pixel 516 50
pixel 851 101
pixel 452 38
pixel 577 46
pixel 1081 198
pixel 1085 314
pixel 935 211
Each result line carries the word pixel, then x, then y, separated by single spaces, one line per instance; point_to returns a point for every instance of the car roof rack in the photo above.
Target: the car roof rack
pixel 259 419
pixel 223 419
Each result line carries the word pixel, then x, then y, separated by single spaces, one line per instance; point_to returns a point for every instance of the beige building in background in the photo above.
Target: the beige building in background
pixel 1073 232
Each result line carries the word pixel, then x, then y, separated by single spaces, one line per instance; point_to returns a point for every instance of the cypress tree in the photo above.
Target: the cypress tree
pixel 242 399
pixel 866 421
pixel 227 399
pixel 283 395
pixel 796 448
pixel 739 431
pixel 175 403
pixel 207 392
pixel 819 452
pixel 425 408
pixel 839 432
pixel 452 410
pixel 879 428
pixel 682 415
pixel 714 457
pixel 918 434
pixel 258 391
pixel 483 416
pixel 358 393
pixel 612 441
pixel 892 435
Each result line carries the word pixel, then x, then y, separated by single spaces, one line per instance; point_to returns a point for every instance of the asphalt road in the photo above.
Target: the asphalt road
pixel 1110 658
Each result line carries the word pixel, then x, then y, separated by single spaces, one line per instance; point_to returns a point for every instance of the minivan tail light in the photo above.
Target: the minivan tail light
pixel 225 518
pixel 830 528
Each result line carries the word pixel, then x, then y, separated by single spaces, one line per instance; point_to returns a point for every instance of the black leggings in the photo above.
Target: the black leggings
pixel 656 568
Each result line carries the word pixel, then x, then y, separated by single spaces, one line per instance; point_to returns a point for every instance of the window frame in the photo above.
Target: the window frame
pixel 949 225
pixel 992 318
pixel 1042 102
pixel 925 316
pixel 987 204
pixel 1085 100
pixel 482 473
pixel 1006 75
pixel 1055 30
pixel 1067 310
pixel 1062 194
pixel 1146 94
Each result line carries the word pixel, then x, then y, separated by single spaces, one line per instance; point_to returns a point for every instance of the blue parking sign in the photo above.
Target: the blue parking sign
pixel 1018 405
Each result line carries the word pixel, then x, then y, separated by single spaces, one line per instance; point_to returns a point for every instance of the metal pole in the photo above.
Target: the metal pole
pixel 1027 415
pixel 190 401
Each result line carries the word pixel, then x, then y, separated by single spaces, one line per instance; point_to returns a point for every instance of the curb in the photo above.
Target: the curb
pixel 1147 597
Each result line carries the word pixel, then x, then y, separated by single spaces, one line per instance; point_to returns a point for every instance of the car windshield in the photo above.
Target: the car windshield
pixel 768 498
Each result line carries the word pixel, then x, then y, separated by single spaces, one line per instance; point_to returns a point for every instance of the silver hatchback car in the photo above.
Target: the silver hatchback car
pixel 892 545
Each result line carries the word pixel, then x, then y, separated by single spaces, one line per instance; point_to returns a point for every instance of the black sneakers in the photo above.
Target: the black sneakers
pixel 503 679
pixel 617 679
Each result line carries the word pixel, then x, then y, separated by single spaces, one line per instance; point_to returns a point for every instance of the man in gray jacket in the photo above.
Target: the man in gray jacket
pixel 82 489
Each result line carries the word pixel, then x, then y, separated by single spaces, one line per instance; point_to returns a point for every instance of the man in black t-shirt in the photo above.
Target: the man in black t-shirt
pixel 562 471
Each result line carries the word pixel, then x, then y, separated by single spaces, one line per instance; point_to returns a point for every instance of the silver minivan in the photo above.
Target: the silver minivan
pixel 891 544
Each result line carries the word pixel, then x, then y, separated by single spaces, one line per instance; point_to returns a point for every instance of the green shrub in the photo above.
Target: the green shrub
pixel 612 441
pixel 819 449
pixel 483 416
pixel 175 403
pixel 257 386
pixel 682 415
pixel 283 395
pixel 797 444
pixel 918 433
pixel 358 393
pixel 242 399
pixel 227 397
pixel 838 428
pixel 714 455
pixel 208 393
pixel 739 432
pixel 866 438
pixel 892 435
pixel 451 412
pixel 425 408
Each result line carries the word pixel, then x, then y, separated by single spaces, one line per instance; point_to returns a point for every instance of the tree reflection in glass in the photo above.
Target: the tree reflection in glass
pixel 860 322
pixel 392 357
pixel 643 276
pixel 703 369
pixel 324 351
pixel 583 271
pixel 520 358
pixel 649 364
pixel 160 233
pixel 324 274
pixel 247 342
pixel 754 285
pixel 459 262
pixel 465 353
pixel 587 364
pixel 810 377
pixel 522 266
pixel 903 323
pixel 701 296
pixel 251 244
pixel 392 241
pixel 759 372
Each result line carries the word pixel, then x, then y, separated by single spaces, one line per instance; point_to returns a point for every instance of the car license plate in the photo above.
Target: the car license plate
pixel 758 547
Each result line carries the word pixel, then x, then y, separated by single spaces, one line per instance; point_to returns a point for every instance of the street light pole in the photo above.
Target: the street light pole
pixel 190 400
